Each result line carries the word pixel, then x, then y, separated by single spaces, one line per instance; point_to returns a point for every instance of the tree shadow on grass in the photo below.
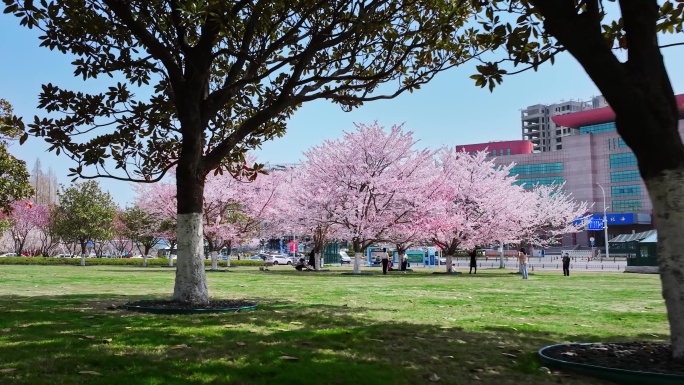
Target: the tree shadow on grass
pixel 49 340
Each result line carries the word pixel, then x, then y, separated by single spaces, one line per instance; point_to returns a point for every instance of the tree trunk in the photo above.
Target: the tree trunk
pixel 501 255
pixel 317 260
pixel 357 262
pixel 83 253
pixel 667 194
pixel 229 245
pixel 449 263
pixel 402 255
pixel 171 258
pixel 214 260
pixel 191 282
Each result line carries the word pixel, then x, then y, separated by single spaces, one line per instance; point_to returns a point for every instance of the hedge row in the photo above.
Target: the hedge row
pixel 111 261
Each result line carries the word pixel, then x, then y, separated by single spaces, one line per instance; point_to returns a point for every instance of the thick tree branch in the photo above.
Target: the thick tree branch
pixel 156 49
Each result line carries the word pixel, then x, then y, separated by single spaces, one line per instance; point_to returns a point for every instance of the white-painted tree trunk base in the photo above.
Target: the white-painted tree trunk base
pixel 191 280
pixel 667 195
pixel 144 260
pixel 214 260
pixel 228 260
pixel 171 257
pixel 449 263
pixel 83 259
pixel 401 261
pixel 317 261
pixel 357 262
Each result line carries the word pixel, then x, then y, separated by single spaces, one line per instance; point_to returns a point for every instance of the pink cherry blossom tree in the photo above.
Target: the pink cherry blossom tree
pixel 362 183
pixel 303 211
pixel 120 241
pixel 474 199
pixel 235 209
pixel 159 200
pixel 553 213
pixel 24 219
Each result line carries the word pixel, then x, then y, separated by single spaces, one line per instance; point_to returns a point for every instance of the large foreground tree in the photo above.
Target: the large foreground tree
pixel 227 74
pixel 637 88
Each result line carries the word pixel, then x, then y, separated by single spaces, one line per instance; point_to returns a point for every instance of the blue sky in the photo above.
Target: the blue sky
pixel 449 111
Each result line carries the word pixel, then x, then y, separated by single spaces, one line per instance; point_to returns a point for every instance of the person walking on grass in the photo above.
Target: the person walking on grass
pixel 385 262
pixel 566 264
pixel 473 261
pixel 522 260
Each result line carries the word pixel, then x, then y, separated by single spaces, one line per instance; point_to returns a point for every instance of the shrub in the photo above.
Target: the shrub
pixel 111 261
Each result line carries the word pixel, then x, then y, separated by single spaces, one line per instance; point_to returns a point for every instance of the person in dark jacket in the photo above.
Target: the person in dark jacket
pixel 312 259
pixel 566 264
pixel 473 261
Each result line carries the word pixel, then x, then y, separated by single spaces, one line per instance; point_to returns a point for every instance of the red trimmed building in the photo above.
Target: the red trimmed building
pixel 503 148
pixel 592 161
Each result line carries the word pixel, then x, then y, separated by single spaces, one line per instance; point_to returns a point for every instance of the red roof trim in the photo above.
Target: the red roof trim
pixel 599 115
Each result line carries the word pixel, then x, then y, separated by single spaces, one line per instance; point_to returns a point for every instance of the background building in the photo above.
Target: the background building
pixel 539 127
pixel 592 158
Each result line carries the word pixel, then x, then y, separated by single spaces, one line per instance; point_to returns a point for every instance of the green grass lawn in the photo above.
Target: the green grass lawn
pixel 395 329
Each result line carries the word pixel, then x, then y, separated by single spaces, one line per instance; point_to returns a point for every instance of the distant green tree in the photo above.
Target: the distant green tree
pixel 84 213
pixel 14 178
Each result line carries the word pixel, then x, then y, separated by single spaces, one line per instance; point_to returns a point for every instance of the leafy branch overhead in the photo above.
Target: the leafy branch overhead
pixel 225 75
pixel 520 33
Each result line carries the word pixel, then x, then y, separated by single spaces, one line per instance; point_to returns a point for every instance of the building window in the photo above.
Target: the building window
pixel 531 182
pixel 501 152
pixel 493 152
pixel 624 176
pixel 597 128
pixel 626 205
pixel 616 143
pixel 558 140
pixel 625 159
pixel 624 191
pixel 558 132
pixel 559 147
pixel 508 151
pixel 539 168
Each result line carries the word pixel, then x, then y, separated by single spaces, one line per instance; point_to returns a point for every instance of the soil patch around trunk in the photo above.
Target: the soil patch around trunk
pixel 635 356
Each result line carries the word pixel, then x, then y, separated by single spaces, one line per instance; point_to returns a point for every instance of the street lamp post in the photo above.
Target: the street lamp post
pixel 605 221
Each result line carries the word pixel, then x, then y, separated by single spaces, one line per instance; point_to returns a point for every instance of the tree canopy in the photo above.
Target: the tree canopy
pixel 232 72
pixel 84 213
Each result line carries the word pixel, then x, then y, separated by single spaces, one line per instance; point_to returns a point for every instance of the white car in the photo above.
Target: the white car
pixel 65 256
pixel 9 255
pixel 279 259
pixel 344 257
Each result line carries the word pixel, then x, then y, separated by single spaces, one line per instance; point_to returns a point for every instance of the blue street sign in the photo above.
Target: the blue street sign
pixel 595 224
pixel 592 243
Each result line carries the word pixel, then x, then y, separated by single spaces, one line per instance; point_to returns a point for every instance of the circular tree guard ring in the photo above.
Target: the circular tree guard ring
pixel 142 308
pixel 620 376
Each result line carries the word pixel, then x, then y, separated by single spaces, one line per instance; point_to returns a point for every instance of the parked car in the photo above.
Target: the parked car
pixel 344 257
pixel 8 255
pixel 65 255
pixel 279 259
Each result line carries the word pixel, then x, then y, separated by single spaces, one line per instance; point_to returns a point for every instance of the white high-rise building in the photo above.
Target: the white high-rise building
pixel 545 135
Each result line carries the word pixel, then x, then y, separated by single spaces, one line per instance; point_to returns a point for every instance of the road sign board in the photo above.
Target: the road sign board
pixel 595 224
